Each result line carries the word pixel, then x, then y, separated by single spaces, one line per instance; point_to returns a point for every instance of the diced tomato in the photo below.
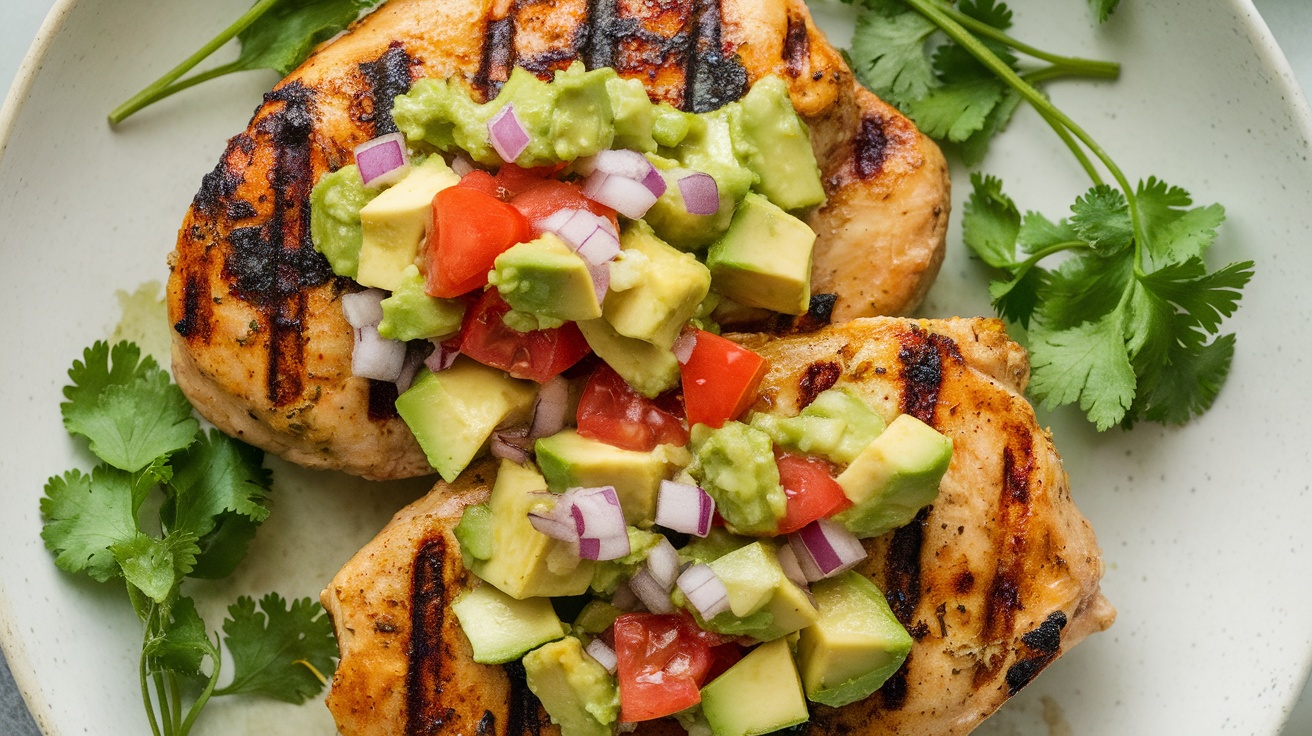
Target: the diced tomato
pixel 662 663
pixel 515 179
pixel 611 411
pixel 723 657
pixel 470 229
pixel 550 196
pixel 536 355
pixel 810 488
pixel 719 380
pixel 484 182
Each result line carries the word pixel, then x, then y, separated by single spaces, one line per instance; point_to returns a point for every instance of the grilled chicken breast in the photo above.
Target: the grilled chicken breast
pixel 994 581
pixel 260 346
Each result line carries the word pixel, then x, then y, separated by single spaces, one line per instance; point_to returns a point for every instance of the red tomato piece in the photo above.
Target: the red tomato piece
pixel 550 196
pixel 723 656
pixel 537 355
pixel 611 411
pixel 662 664
pixel 470 229
pixel 484 182
pixel 514 179
pixel 810 488
pixel 719 380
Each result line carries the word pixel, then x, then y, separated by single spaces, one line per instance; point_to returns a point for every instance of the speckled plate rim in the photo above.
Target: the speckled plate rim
pixel 15 651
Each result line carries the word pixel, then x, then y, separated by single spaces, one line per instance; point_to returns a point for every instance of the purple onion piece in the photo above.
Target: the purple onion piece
pixel 383 160
pixel 701 195
pixel 600 280
pixel 829 548
pixel 655 183
pixel 683 346
pixel 599 247
pixel 684 508
pixel 663 563
pixel 551 408
pixel 626 196
pixel 507 134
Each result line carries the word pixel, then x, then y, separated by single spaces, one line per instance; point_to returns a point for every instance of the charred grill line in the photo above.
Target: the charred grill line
pixel 797 46
pixel 1045 641
pixel 498 56
pixel 388 76
pixel 818 378
pixel 522 717
pixel 713 79
pixel 870 147
pixel 487 725
pixel 196 308
pixel 922 356
pixel 547 62
pixel 604 30
pixel 902 590
pixel 427 617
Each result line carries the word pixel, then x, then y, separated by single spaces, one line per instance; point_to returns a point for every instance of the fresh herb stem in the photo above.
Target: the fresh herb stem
pixel 204 696
pixel 1074 147
pixel 1079 67
pixel 142 676
pixel 163 87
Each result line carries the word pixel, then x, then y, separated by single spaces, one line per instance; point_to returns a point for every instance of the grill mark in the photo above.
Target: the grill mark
pixel 523 716
pixel 1045 641
pixel 870 147
pixel 382 400
pixel 423 680
pixel 487 725
pixel 604 31
pixel 902 590
pixel 818 316
pixel 498 56
pixel 197 307
pixel 1003 599
pixel 964 583
pixel 240 209
pixel 922 355
pixel 797 46
pixel 222 183
pixel 820 376
pixel 272 265
pixel 547 62
pixel 714 78
pixel 388 76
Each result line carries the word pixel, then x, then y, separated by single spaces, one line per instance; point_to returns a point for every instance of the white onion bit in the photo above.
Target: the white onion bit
pixel 599 247
pixel 653 595
pixel 604 655
pixel 663 563
pixel 413 360
pixel 684 508
pixel 383 160
pixel 599 523
pixel 461 165
pixel 375 357
pixel 364 308
pixel 507 134
pixel 792 569
pixel 550 408
pixel 683 346
pixel 704 590
pixel 626 196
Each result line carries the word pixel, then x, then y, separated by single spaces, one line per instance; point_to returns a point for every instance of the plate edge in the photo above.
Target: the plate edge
pixel 27 70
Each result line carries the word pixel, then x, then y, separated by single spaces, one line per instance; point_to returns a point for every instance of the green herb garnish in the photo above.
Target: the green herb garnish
pixel 274 34
pixel 1126 324
pixel 207 495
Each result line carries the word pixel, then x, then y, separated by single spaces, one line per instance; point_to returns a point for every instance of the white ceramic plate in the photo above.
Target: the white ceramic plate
pixel 1202 527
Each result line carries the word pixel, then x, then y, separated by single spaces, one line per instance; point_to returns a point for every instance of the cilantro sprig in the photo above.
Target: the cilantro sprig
pixel 209 497
pixel 274 34
pixel 1126 323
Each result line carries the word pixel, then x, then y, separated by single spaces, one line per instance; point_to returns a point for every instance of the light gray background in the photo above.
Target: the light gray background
pixel 1290 21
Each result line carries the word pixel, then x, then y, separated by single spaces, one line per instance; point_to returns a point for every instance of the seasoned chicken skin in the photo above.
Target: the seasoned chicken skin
pixel 994 581
pixel 260 346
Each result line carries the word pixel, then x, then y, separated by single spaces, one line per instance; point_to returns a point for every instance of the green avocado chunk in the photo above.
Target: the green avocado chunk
pixel 545 277
pixel 735 465
pixel 474 533
pixel 667 292
pixel 335 229
pixel 774 143
pixel 576 691
pixel 855 645
pixel 760 694
pixel 764 258
pixel 525 562
pixel 395 221
pixel 596 617
pixel 894 477
pixel 763 602
pixel 569 460
pixel 441 113
pixel 500 628
pixel 670 219
pixel 634 115
pixel 411 314
pixel 649 369
pixel 608 574
pixel 453 413
pixel 837 425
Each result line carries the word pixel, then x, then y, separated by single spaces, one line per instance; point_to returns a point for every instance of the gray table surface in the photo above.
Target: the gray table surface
pixel 1290 21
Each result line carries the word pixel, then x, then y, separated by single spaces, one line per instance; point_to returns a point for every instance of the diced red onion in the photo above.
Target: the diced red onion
pixel 383 160
pixel 621 162
pixel 604 655
pixel 684 508
pixel 600 280
pixel 414 358
pixel 663 563
pixel 461 165
pixel 626 196
pixel 364 308
pixel 704 590
pixel 443 356
pixel 603 548
pixel 792 569
pixel 511 445
pixel 597 513
pixel 653 595
pixel 554 222
pixel 624 598
pixel 555 521
pixel 507 134
pixel 551 408
pixel 684 345
pixel 654 182
pixel 375 357
pixel 825 548
pixel 599 247
pixel 701 195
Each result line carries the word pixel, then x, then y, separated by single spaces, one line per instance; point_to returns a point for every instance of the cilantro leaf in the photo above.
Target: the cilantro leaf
pixel 278 650
pixel 1103 9
pixel 156 566
pixel 1084 288
pixel 996 14
pixel 1017 298
pixel 955 111
pixel 991 222
pixel 129 410
pixel 1038 232
pixel 973 149
pixel 1199 372
pixel 291 29
pixel 1102 218
pixel 1206 298
pixel 183 644
pixel 220 489
pixel 1085 364
pixel 889 50
pixel 86 516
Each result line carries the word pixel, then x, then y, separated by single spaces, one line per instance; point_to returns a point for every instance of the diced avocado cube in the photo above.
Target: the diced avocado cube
pixel 545 277
pixel 764 258
pixel 670 219
pixel 635 116
pixel 763 602
pixel 525 562
pixel 671 125
pixel 500 628
pixel 673 284
pixel 735 465
pixel 760 694
pixel 335 229
pixel 453 413
pixel 395 221
pixel 576 691
pixel 649 369
pixel 894 477
pixel 838 425
pixel 474 533
pixel 608 574
pixel 569 460
pixel 855 645
pixel 774 143
pixel 411 314
pixel 596 617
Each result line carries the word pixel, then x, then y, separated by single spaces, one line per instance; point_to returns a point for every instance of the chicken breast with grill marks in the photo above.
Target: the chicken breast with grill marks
pixel 260 345
pixel 994 581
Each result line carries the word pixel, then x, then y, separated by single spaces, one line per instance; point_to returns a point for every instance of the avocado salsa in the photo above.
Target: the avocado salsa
pixel 556 257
